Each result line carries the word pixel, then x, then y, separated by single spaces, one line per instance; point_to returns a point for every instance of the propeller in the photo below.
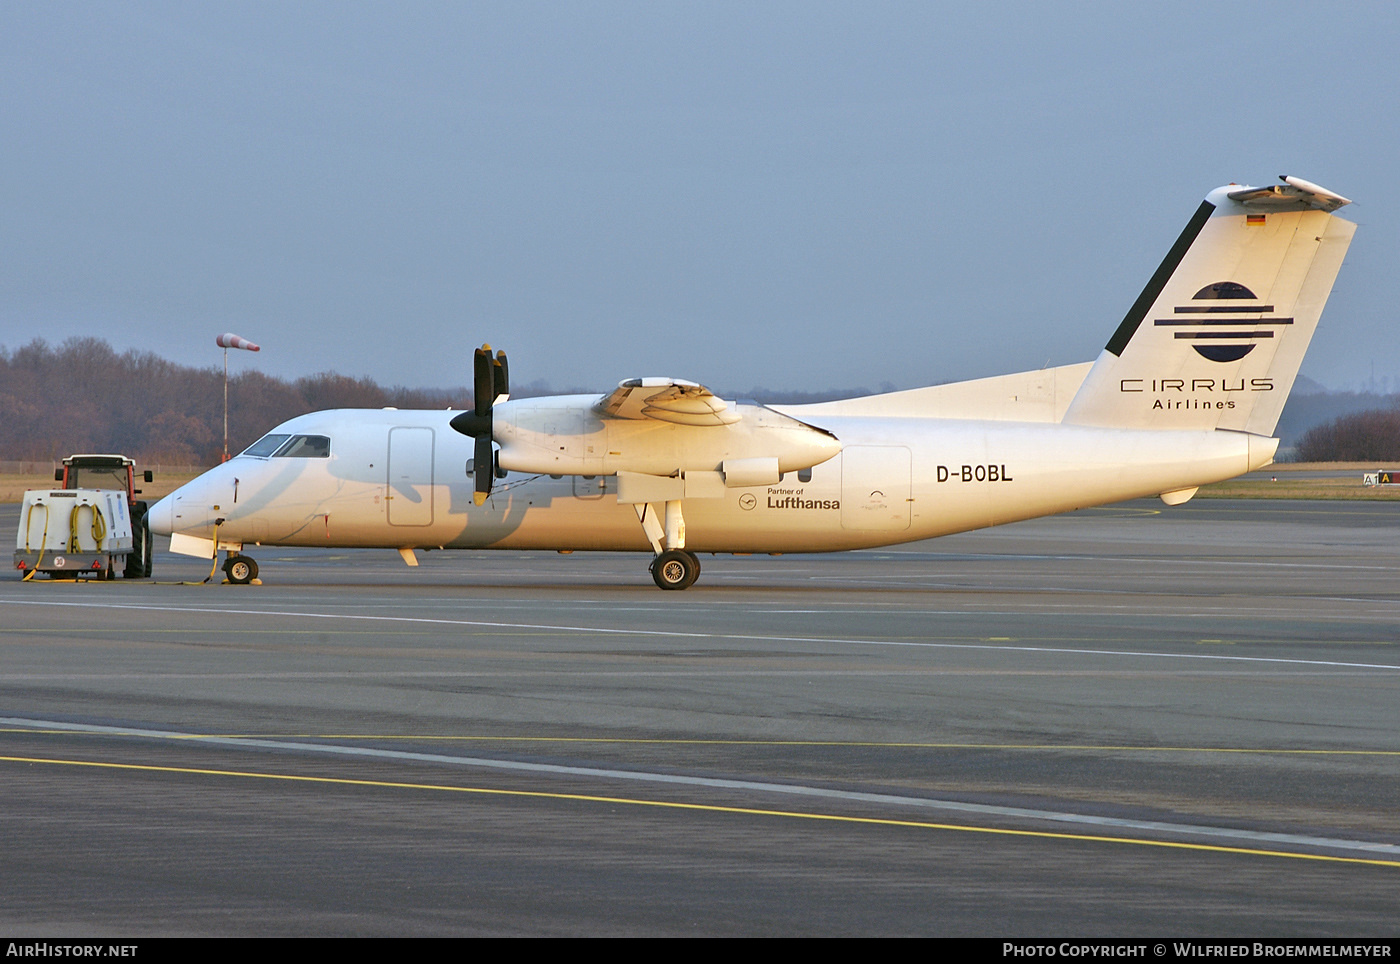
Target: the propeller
pixel 491 384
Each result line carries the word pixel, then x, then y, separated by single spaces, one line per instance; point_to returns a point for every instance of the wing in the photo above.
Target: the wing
pixel 666 400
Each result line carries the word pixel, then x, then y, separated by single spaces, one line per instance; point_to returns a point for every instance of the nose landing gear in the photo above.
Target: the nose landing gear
pixel 240 569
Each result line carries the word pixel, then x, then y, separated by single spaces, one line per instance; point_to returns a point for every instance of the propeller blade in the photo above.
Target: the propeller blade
pixel 490 384
pixel 484 382
pixel 502 377
pixel 484 467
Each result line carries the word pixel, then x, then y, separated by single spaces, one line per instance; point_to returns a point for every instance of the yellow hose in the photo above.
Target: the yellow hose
pixel 43 540
pixel 212 569
pixel 99 528
pixel 215 567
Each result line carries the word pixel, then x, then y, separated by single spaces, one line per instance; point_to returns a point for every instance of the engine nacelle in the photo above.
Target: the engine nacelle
pixel 566 435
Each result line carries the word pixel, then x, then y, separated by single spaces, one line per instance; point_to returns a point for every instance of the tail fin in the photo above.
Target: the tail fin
pixel 1216 338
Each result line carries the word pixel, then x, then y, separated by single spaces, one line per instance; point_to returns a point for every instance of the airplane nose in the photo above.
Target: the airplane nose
pixel 160 517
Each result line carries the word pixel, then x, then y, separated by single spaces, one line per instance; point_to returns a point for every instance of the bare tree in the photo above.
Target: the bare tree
pixel 1362 437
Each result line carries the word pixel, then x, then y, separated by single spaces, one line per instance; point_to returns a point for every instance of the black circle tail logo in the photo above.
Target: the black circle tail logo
pixel 1223 332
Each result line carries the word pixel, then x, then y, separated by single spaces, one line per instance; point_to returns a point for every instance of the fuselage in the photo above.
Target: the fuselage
pixel 399 479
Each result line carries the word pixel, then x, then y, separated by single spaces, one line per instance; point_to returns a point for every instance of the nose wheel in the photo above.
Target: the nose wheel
pixel 675 569
pixel 240 569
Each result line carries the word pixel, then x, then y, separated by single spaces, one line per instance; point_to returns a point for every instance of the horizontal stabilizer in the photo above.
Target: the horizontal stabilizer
pixel 1295 194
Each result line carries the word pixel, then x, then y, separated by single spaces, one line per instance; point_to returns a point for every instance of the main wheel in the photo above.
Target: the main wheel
pixel 240 570
pixel 675 569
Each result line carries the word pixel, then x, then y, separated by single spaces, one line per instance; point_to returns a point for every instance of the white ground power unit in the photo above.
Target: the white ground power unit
pixel 73 532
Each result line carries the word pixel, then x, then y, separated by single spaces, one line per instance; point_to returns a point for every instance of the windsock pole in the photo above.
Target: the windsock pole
pixel 226 341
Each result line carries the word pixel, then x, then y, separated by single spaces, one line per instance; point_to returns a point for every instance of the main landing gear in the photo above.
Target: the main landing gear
pixel 675 569
pixel 240 569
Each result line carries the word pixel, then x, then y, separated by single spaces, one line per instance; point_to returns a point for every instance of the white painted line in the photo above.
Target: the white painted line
pixel 682 634
pixel 884 799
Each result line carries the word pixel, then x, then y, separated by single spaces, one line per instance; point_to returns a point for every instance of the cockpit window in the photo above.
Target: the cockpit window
pixel 265 446
pixel 291 447
pixel 305 447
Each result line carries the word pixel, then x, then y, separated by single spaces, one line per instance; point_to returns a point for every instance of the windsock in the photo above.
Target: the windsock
pixel 229 340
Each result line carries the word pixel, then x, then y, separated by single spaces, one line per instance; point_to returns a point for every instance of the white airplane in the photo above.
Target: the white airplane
pixel 1188 391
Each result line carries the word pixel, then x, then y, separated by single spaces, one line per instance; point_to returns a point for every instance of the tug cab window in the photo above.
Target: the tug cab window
pixel 98 475
pixel 290 447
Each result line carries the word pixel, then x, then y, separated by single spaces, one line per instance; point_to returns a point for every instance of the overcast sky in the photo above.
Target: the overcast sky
pixel 797 195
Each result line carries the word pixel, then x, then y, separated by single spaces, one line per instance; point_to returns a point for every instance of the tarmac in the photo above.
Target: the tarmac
pixel 1124 721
